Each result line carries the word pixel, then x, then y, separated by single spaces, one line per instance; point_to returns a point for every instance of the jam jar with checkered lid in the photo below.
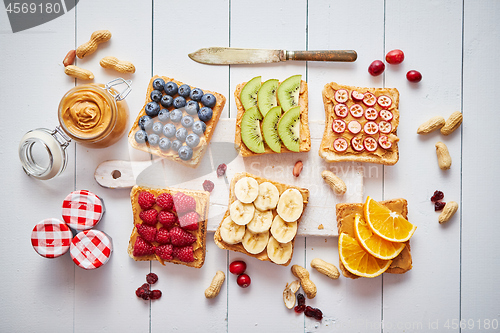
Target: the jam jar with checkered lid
pixel 91 249
pixel 82 210
pixel 51 238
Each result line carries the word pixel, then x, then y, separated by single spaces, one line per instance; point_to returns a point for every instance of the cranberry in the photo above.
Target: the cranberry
pixel 376 68
pixel 439 205
pixel 145 287
pixel 438 195
pixel 299 308
pixel 414 76
pixel 155 294
pixel 208 185
pixel 151 278
pixel 237 267
pixel 221 170
pixel 243 280
pixel 301 300
pixel 395 57
pixel 313 312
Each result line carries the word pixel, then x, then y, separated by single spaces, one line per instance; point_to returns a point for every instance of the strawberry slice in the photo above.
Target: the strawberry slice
pixel 384 127
pixel 354 127
pixel 371 114
pixel 357 96
pixel 384 142
pixel 356 110
pixel 369 99
pixel 370 128
pixel 341 110
pixel 384 101
pixel 341 95
pixel 386 115
pixel 370 143
pixel 357 143
pixel 338 126
pixel 340 145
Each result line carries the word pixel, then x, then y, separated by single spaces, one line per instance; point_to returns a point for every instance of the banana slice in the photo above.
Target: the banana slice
pixel 279 253
pixel 283 231
pixel 230 232
pixel 246 189
pixel 261 221
pixel 255 243
pixel 290 205
pixel 241 213
pixel 268 196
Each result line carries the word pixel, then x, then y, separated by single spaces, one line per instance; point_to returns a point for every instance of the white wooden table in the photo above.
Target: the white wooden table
pixel 453 285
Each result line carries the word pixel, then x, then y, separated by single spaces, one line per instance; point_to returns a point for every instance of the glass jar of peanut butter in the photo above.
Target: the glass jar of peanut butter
pixel 95 115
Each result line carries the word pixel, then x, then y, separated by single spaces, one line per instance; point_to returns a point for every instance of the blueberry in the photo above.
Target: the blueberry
pixel 166 101
pixel 145 123
pixel 157 127
pixel 141 136
pixel 165 144
pixel 185 153
pixel 179 102
pixel 192 107
pixel 192 140
pixel 156 95
pixel 205 113
pixel 153 139
pixel 196 94
pixel 176 144
pixel 158 84
pixel 187 121
pixel 184 90
pixel 171 88
pixel 176 115
pixel 181 134
pixel 199 127
pixel 152 109
pixel 208 100
pixel 169 130
pixel 164 115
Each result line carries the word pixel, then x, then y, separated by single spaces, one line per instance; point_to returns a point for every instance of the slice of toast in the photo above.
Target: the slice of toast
pixel 198 151
pixel 346 212
pixel 305 136
pixel 232 197
pixel 327 151
pixel 199 247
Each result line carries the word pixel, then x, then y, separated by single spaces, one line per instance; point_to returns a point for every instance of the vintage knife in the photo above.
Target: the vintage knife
pixel 230 55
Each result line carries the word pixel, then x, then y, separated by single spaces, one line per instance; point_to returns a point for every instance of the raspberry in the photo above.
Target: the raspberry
pixel 164 252
pixel 208 185
pixel 165 201
pixel 168 219
pixel 179 237
pixel 163 236
pixel 155 294
pixel 184 203
pixel 149 216
pixel 189 221
pixel 147 232
pixel 146 200
pixel 184 253
pixel 221 170
pixel 142 248
pixel 151 278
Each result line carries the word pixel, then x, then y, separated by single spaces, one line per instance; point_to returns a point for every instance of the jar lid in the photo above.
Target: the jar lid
pixel 82 210
pixel 90 249
pixel 51 238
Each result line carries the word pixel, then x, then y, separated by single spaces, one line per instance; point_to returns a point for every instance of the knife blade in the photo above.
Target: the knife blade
pixel 231 55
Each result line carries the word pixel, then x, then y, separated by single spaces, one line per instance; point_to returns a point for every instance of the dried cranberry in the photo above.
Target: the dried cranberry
pixel 208 185
pixel 301 300
pixel 146 295
pixel 313 312
pixel 155 294
pixel 299 308
pixel 139 292
pixel 439 205
pixel 145 287
pixel 151 278
pixel 438 195
pixel 221 170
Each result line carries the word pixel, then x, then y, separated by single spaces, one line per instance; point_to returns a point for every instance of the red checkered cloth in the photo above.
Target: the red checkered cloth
pixel 91 249
pixel 82 210
pixel 51 238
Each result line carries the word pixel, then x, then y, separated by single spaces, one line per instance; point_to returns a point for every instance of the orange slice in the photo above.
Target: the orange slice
pixel 387 224
pixel 373 244
pixel 357 261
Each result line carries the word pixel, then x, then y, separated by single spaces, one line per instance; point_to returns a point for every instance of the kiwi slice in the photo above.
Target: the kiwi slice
pixel 251 134
pixel 248 95
pixel 288 92
pixel 289 129
pixel 266 97
pixel 270 128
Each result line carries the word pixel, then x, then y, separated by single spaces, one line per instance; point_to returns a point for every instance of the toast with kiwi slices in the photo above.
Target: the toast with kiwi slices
pixel 272 116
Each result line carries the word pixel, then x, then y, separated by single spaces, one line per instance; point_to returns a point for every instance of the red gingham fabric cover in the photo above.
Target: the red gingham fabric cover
pixel 91 249
pixel 82 210
pixel 51 238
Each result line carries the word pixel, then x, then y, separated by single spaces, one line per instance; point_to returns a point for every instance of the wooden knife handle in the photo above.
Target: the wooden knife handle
pixel 337 55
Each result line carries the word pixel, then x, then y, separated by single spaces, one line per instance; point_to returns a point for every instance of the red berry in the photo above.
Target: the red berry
pixel 414 76
pixel 221 170
pixel 168 219
pixel 165 252
pixel 155 294
pixel 180 237
pixel 208 185
pixel 376 68
pixel 299 308
pixel 151 278
pixel 301 300
pixel 149 216
pixel 165 201
pixel 146 200
pixel 438 195
pixel 313 312
pixel 243 280
pixel 395 57
pixel 147 232
pixel 184 253
pixel 142 248
pixel 184 203
pixel 439 205
pixel 163 236
pixel 189 221
pixel 237 267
